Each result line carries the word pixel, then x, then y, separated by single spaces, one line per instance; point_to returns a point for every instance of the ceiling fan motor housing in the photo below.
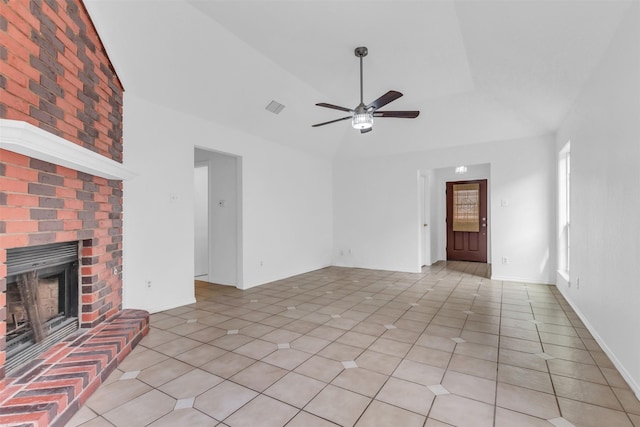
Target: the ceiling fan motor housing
pixel 361 51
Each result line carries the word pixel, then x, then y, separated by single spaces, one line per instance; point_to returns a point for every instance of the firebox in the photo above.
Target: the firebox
pixel 42 299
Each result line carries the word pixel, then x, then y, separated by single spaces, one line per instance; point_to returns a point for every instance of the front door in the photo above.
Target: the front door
pixel 467 220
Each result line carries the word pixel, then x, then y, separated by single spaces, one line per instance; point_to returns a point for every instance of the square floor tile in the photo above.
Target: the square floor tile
pixel 286 358
pixel 191 384
pixel 142 410
pixel 163 372
pixel 305 419
pixel 228 364
pixel 527 378
pixel 585 391
pixel 507 418
pixel 461 412
pixel 407 395
pixel 429 356
pixel 309 344
pixel 142 359
pixel 295 389
pixel 418 373
pixel 320 368
pixel 256 349
pixel 472 366
pixel 259 376
pixel 360 380
pixel 470 386
pixel 184 417
pixel 531 402
pixel 390 347
pixel 198 356
pixel 338 405
pixel 270 412
pixel 223 400
pixel 583 414
pixel 384 415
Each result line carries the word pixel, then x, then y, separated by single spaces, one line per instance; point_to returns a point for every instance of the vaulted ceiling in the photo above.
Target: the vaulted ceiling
pixel 477 70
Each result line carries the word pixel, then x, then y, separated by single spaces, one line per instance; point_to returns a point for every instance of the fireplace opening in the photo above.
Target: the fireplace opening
pixel 42 299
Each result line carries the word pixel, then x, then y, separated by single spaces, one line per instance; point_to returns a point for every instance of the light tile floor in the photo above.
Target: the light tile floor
pixel 446 347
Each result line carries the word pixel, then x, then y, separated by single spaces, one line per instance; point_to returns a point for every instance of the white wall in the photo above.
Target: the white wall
pixel 376 211
pixel 285 198
pixel 604 129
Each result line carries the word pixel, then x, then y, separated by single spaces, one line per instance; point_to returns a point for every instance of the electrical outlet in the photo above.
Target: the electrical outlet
pixel 148 283
pixel 261 263
pixel 578 283
pixel 505 260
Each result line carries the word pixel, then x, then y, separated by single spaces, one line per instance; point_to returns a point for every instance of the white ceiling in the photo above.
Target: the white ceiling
pixel 477 70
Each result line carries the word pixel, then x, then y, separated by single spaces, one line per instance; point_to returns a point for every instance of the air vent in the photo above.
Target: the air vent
pixel 274 107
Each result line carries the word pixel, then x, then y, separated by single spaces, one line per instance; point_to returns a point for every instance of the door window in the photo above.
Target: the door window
pixel 466 207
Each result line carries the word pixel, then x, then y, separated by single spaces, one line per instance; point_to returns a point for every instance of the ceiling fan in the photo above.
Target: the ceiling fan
pixel 362 116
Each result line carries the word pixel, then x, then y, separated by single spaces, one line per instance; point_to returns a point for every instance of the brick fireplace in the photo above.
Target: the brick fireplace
pixel 60 152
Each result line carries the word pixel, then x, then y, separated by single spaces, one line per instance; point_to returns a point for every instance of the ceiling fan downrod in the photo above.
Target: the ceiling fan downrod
pixel 361 52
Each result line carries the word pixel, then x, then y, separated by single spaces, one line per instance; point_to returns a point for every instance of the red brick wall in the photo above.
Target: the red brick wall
pixel 56 75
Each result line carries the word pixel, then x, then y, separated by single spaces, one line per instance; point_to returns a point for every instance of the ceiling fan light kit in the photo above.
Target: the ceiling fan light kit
pixel 362 116
pixel 362 120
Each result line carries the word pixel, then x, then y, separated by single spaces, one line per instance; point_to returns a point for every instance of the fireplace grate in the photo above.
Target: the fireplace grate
pixel 25 352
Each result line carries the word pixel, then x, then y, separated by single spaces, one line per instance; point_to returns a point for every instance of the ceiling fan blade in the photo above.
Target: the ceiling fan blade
pixel 332 121
pixel 335 107
pixel 398 114
pixel 366 130
pixel 392 95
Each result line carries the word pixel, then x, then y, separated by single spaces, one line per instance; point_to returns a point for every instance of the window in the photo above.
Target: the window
pixel 466 207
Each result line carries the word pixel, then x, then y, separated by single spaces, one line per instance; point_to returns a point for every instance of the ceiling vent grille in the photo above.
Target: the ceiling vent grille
pixel 274 107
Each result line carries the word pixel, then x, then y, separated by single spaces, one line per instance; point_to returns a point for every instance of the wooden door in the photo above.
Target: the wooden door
pixel 467 220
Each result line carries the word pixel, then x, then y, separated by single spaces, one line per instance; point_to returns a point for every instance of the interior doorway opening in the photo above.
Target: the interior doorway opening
pixel 217 217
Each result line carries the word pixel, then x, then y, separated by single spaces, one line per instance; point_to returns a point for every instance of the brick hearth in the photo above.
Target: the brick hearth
pixel 50 389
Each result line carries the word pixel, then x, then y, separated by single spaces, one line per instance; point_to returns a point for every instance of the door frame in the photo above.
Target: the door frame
pixel 484 221
pixel 206 155
pixel 424 200
pixel 205 164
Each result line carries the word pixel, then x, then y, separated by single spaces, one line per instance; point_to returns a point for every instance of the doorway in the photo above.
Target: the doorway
pixel 217 231
pixel 467 220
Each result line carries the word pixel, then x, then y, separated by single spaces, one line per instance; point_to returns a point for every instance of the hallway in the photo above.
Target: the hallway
pixel 446 347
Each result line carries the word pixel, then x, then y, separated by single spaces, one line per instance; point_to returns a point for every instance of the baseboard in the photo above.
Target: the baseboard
pixel 524 280
pixel 635 387
pixel 170 306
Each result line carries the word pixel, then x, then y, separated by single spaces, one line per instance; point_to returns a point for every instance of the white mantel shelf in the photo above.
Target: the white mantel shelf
pixel 24 138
